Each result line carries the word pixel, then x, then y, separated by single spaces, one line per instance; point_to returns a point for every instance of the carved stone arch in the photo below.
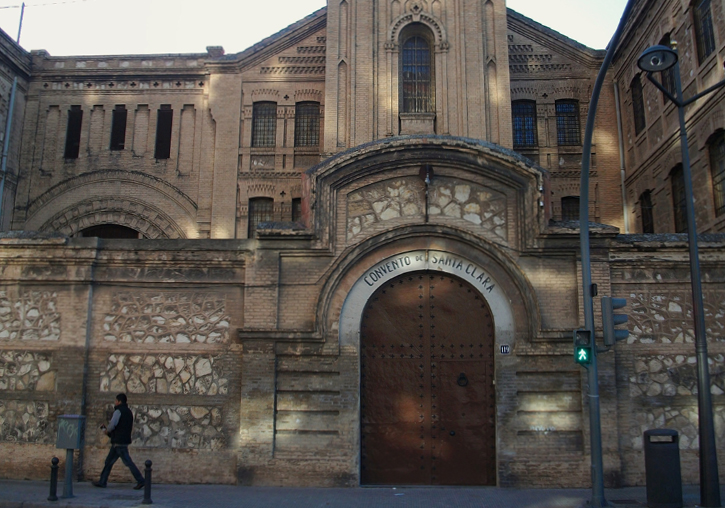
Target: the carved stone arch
pixel 670 160
pixel 424 18
pixel 569 92
pixel 261 190
pixel 569 189
pixel 713 121
pixel 264 95
pixel 147 219
pixel 308 95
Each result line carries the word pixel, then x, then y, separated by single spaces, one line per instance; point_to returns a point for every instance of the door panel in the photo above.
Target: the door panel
pixel 427 398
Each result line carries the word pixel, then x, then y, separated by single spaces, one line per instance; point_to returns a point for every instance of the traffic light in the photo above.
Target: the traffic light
pixel 582 347
pixel 610 320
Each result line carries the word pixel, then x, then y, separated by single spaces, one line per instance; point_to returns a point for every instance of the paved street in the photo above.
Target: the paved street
pixel 27 494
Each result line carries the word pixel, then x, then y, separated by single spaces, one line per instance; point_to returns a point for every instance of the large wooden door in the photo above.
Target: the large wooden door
pixel 427 394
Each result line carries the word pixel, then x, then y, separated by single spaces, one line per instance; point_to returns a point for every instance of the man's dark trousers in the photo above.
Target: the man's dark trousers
pixel 116 452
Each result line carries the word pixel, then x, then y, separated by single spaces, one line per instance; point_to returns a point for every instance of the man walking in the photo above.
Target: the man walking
pixel 119 430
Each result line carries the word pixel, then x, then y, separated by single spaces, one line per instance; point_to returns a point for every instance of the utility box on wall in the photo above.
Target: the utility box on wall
pixel 70 432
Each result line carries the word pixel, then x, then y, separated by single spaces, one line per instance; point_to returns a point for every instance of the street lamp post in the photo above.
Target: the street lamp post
pixel 657 59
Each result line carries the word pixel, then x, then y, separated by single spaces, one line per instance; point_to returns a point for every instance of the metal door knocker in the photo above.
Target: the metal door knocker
pixel 462 380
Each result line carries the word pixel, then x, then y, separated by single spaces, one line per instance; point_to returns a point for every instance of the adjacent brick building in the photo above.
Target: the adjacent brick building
pixel 349 254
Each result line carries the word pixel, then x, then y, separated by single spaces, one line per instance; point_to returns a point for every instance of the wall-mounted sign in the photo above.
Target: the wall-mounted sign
pixel 505 349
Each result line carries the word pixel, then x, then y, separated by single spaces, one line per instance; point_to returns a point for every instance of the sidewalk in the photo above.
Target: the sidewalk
pixel 33 494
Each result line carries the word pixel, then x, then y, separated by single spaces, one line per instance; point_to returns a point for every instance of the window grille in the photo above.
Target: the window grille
pixel 73 133
pixel 524 124
pixel 645 208
pixel 638 105
pixel 164 120
pixel 307 124
pixel 260 210
pixel 118 127
pixel 703 29
pixel 296 209
pixel 417 76
pixel 717 168
pixel 679 205
pixel 264 124
pixel 568 131
pixel 570 208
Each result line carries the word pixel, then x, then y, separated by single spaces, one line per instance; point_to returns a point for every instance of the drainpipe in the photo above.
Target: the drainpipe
pixel 618 106
pixel 6 147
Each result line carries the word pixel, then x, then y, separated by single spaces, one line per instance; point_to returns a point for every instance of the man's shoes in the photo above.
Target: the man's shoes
pixel 138 486
pixel 99 484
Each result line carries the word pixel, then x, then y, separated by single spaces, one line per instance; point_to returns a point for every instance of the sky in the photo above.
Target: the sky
pixel 113 27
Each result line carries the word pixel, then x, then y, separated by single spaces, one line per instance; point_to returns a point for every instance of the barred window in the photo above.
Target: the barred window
pixel 570 208
pixel 296 209
pixel 417 75
pixel 568 131
pixel 637 105
pixel 704 32
pixel 264 124
pixel 524 123
pixel 73 133
pixel 679 206
pixel 164 120
pixel 260 210
pixel 118 127
pixel 717 168
pixel 667 77
pixel 307 124
pixel 645 208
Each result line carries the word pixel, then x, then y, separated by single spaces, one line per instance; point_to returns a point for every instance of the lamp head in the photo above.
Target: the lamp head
pixel 657 59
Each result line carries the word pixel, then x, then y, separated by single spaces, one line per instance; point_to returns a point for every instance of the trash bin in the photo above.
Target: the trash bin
pixel 662 468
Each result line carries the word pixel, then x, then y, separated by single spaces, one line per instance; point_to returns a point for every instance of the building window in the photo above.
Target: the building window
pixel 164 120
pixel 679 206
pixel 717 168
pixel 73 133
pixel 417 75
pixel 645 208
pixel 570 208
pixel 110 231
pixel 703 29
pixel 264 124
pixel 296 209
pixel 568 131
pixel 260 210
pixel 307 124
pixel 637 105
pixel 667 77
pixel 118 127
pixel 524 124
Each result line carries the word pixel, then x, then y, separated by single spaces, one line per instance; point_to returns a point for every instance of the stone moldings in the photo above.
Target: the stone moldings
pixel 190 427
pixel 26 371
pixel 164 374
pixel 666 317
pixel 31 316
pixel 405 197
pixel 167 318
pixel 24 422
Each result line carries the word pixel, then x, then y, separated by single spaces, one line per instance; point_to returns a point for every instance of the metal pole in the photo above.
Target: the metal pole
pixel 20 24
pixel 709 480
pixel 595 429
pixel 68 484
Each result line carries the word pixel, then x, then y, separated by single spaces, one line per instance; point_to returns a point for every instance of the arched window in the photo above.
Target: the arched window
pixel 264 124
pixel 260 210
pixel 645 208
pixel 667 77
pixel 637 105
pixel 570 208
pixel 679 206
pixel 307 124
pixel 568 131
pixel 417 70
pixel 110 231
pixel 523 114
pixel 716 146
pixel 702 17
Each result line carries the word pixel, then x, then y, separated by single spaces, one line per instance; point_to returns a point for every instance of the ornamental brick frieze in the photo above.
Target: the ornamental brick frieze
pixel 24 422
pixel 164 374
pixel 682 419
pixel 665 316
pixel 178 427
pixel 167 318
pixel 404 197
pixel 673 374
pixel 112 86
pixel 26 371
pixel 30 316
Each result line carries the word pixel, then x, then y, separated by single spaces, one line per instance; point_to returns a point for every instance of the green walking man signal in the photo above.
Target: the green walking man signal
pixel 582 347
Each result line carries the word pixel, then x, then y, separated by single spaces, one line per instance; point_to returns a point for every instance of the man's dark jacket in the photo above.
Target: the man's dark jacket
pixel 121 435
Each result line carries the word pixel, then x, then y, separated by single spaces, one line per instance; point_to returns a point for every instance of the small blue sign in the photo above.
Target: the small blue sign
pixel 505 349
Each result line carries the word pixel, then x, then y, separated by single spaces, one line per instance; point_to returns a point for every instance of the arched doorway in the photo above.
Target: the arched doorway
pixel 427 393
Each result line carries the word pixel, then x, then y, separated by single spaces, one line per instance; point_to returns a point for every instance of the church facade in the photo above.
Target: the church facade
pixel 349 254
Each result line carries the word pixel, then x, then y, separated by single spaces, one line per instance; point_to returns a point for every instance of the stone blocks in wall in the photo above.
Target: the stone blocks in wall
pixel 26 371
pixel 25 422
pixel 31 315
pixel 178 427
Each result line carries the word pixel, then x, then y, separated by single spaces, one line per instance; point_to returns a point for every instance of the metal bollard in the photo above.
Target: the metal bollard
pixel 53 479
pixel 147 484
